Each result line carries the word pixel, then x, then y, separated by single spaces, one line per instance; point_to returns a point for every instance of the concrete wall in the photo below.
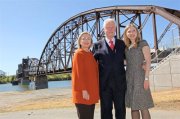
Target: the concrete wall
pixel 166 75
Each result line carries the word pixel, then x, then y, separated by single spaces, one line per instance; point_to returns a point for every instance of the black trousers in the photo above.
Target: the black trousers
pixel 85 111
pixel 113 95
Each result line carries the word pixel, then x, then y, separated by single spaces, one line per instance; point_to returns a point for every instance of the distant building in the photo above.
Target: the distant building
pixel 2 73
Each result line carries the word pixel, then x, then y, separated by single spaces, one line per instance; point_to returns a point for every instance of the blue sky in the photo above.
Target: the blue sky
pixel 26 25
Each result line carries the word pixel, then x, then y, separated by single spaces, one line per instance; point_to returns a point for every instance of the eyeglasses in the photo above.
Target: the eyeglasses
pixel 85 38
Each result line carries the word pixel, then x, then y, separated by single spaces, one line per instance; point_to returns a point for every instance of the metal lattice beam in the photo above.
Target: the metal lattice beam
pixel 57 54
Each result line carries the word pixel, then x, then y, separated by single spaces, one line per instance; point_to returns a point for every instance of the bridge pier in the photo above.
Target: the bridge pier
pixel 41 82
pixel 25 81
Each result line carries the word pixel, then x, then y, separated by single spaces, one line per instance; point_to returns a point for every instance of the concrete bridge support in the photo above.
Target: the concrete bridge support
pixel 25 81
pixel 41 82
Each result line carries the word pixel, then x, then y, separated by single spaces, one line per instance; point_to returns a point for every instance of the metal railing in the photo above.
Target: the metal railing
pixel 160 60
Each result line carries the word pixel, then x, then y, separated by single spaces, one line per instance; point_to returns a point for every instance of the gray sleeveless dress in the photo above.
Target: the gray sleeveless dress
pixel 137 98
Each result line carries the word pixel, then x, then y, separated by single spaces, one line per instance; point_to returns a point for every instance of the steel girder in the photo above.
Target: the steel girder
pixel 32 66
pixel 57 54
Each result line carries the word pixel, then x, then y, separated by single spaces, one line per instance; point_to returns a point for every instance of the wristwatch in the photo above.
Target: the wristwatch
pixel 146 78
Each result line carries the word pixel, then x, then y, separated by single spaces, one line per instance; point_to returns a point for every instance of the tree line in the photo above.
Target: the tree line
pixel 54 77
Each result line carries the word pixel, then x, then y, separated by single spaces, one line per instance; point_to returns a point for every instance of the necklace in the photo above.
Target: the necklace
pixel 131 46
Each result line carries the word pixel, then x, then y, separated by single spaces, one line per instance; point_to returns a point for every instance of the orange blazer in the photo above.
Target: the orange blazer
pixel 84 77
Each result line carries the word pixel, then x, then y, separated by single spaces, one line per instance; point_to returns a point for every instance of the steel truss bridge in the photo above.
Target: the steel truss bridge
pixel 57 54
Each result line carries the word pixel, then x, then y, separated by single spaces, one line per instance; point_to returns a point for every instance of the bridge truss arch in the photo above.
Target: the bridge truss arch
pixel 57 54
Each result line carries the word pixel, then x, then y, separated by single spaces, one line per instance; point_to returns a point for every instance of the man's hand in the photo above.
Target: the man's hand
pixel 146 84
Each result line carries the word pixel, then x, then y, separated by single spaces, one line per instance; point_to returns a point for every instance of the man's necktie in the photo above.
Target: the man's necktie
pixel 111 44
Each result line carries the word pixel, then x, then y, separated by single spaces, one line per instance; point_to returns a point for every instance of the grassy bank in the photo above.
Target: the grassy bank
pixel 59 77
pixel 54 77
pixel 6 79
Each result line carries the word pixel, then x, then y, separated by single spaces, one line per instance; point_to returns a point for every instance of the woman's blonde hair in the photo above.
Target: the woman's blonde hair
pixel 127 40
pixel 80 36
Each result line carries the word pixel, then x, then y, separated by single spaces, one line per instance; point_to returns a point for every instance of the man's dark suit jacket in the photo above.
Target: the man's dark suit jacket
pixel 111 64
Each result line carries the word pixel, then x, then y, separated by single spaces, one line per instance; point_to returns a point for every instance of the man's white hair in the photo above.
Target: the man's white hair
pixel 107 21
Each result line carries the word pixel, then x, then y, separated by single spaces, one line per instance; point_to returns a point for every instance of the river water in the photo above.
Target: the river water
pixel 51 84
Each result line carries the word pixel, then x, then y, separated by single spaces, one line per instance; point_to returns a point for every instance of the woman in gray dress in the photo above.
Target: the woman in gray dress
pixel 138 60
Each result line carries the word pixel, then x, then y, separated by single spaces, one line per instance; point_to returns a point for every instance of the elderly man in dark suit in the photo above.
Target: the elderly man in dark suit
pixel 110 54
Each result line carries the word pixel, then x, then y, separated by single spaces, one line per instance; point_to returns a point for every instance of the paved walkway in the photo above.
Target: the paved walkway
pixel 70 113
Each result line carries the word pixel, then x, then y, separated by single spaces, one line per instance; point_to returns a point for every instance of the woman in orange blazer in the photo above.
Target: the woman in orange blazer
pixel 85 84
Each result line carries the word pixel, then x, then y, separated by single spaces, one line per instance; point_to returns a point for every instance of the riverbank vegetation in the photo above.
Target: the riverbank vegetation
pixel 6 79
pixel 59 77
pixel 54 77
